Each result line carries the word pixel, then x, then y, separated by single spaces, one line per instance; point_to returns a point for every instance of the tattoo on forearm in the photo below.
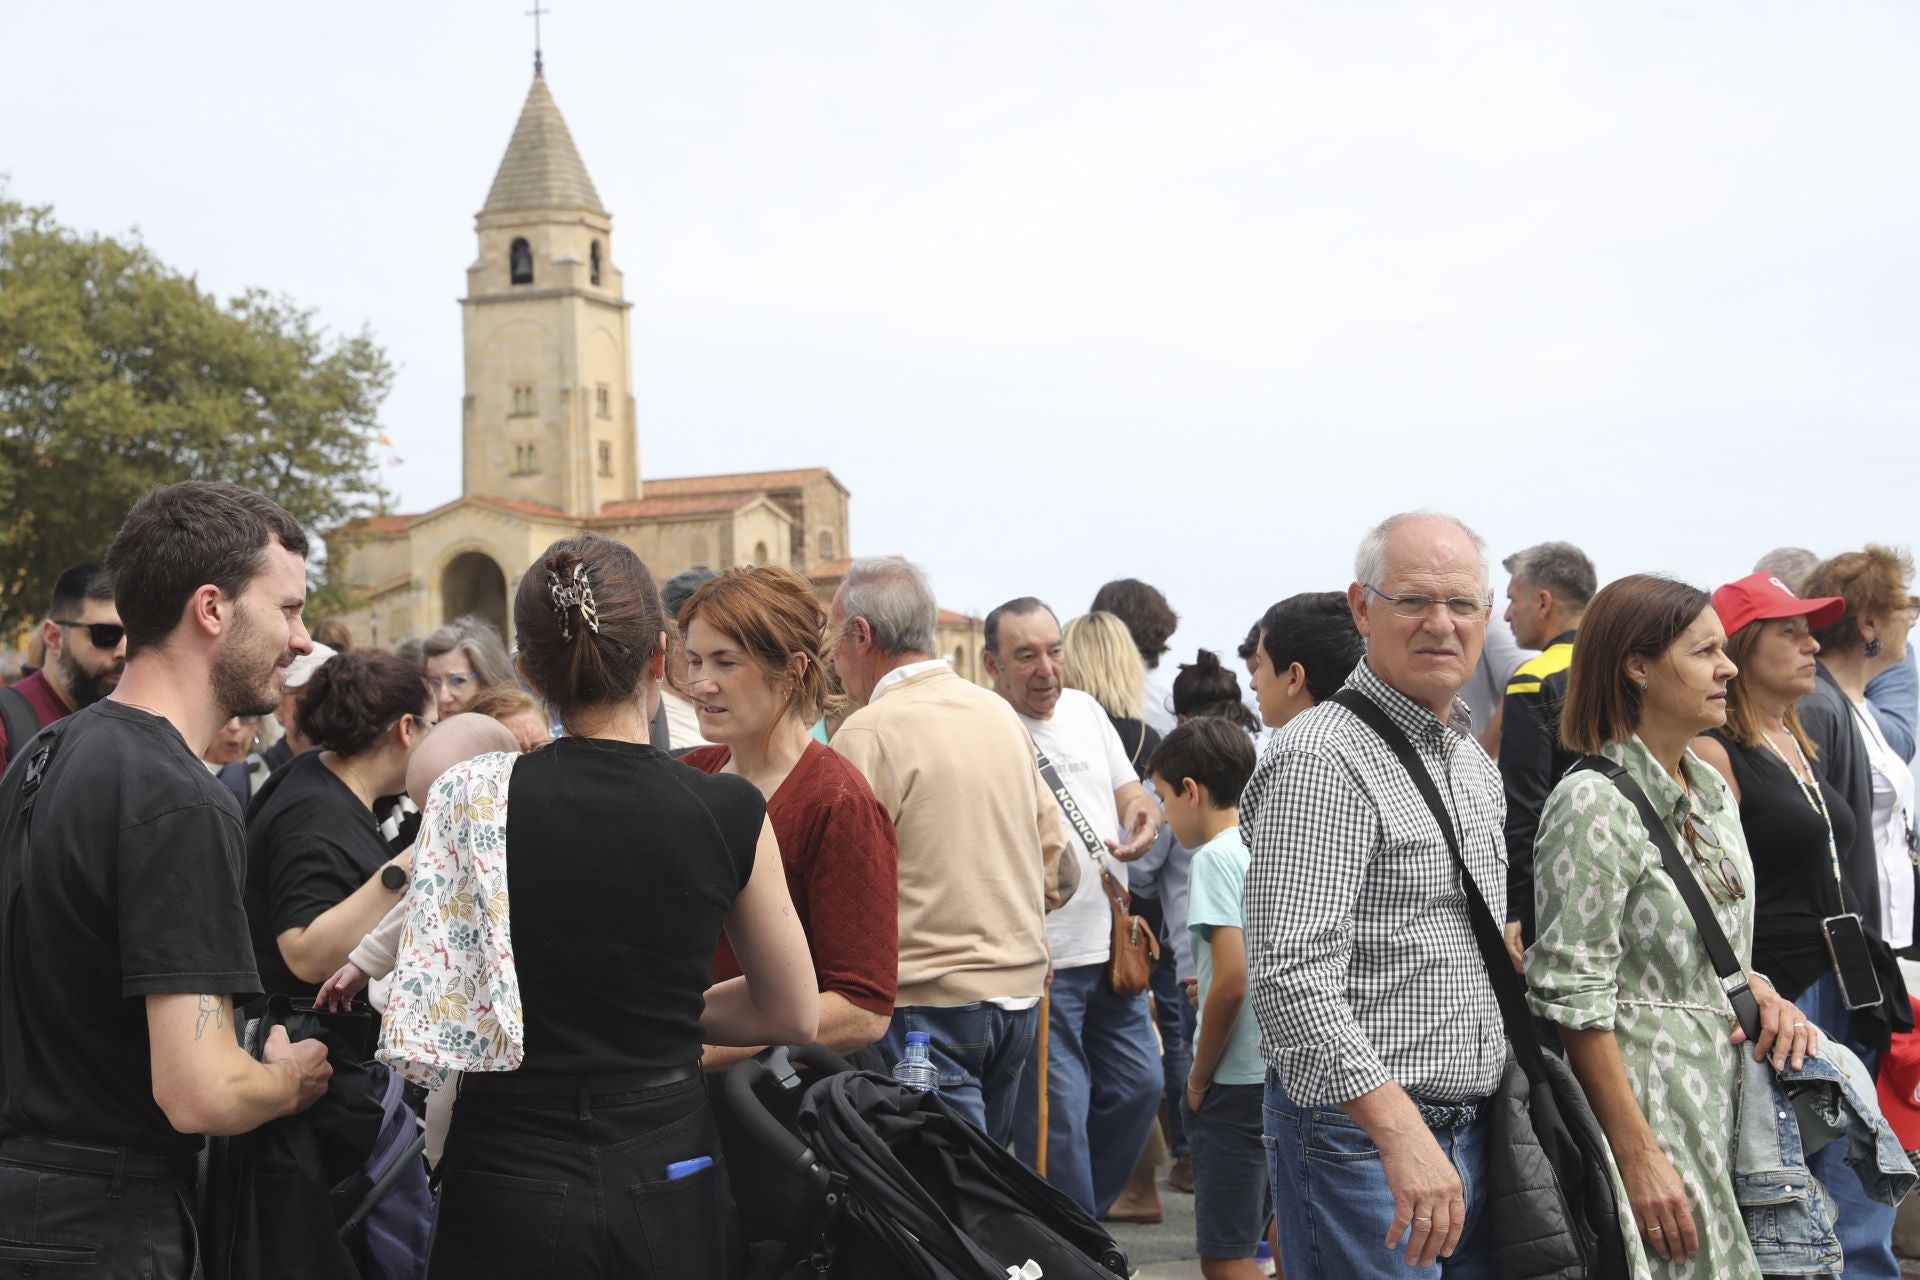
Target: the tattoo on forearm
pixel 209 1008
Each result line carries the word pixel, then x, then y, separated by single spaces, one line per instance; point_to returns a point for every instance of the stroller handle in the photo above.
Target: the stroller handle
pixel 744 1078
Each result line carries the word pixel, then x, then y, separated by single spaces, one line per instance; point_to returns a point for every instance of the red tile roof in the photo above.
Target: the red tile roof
pixel 523 507
pixel 378 525
pixel 738 481
pixel 950 618
pixel 669 507
pixel 383 586
pixel 831 571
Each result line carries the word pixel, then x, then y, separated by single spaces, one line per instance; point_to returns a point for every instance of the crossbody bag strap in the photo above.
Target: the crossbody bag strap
pixel 19 718
pixel 1076 817
pixel 38 751
pixel 1508 988
pixel 1733 977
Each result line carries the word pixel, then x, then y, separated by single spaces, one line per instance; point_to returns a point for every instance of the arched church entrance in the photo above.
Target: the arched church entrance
pixel 473 583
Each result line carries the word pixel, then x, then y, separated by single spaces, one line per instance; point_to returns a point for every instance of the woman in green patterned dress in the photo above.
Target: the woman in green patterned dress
pixel 1619 964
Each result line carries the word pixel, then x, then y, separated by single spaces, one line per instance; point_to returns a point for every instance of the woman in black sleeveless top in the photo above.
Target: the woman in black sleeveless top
pixel 598 1157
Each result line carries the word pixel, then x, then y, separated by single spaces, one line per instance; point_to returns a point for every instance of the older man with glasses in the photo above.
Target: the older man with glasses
pixel 86 652
pixel 1379 1027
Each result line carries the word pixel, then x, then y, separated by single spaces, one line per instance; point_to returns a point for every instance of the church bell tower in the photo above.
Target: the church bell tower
pixel 548 415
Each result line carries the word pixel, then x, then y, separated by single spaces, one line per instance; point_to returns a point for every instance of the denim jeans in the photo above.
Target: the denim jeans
pixel 1103 1088
pixel 1864 1225
pixel 980 1051
pixel 1331 1203
pixel 56 1223
pixel 576 1185
pixel 1169 1004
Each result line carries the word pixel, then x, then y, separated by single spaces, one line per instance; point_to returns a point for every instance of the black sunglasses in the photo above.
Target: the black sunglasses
pixel 105 635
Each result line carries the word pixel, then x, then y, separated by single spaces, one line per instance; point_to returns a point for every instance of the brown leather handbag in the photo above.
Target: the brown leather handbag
pixel 1135 948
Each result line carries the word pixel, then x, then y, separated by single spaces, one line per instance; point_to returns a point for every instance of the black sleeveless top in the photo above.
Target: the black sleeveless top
pixel 1794 889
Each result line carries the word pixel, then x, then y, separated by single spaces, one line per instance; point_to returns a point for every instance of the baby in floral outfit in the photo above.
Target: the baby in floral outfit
pixel 453 741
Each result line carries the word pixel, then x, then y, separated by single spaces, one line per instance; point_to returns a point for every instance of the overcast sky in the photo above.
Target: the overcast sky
pixel 1072 291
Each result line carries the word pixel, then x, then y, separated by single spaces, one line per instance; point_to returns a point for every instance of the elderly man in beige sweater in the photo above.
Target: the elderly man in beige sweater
pixel 981 839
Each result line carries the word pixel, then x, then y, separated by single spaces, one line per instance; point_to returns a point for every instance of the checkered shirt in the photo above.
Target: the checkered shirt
pixel 1364 968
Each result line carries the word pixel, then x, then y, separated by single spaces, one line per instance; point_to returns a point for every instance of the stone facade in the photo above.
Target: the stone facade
pixel 550 436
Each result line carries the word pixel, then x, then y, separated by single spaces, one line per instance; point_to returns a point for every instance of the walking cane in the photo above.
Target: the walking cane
pixel 1040 1140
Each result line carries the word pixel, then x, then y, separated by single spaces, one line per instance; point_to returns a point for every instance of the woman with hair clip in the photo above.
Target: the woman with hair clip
pixel 319 872
pixel 1098 658
pixel 1618 964
pixel 598 1156
pixel 1796 822
pixel 757 674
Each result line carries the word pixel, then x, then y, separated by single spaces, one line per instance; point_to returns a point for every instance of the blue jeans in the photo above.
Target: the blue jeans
pixel 1103 1088
pixel 980 1051
pixel 1331 1204
pixel 1864 1225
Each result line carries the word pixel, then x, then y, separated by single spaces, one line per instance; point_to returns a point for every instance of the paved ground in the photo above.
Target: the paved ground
pixel 1164 1251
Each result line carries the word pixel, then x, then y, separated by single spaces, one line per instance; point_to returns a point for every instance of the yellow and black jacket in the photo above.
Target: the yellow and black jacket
pixel 1532 760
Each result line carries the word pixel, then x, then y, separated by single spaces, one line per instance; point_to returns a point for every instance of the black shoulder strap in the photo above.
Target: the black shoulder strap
pixel 20 720
pixel 1733 978
pixel 1508 988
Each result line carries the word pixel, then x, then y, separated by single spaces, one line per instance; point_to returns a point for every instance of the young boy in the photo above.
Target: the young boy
pixel 1199 771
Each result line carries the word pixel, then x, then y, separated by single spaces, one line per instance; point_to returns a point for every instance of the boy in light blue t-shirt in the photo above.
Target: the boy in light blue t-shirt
pixel 1199 771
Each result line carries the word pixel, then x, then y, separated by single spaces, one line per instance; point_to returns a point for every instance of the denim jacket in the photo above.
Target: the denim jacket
pixel 1786 1117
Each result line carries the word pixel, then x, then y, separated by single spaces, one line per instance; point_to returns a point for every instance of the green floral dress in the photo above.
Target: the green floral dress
pixel 1617 949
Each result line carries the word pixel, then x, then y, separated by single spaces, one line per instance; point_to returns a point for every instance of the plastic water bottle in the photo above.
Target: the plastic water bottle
pixel 916 1070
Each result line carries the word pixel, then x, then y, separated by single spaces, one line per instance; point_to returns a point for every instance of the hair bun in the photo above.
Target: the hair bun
pixel 1206 659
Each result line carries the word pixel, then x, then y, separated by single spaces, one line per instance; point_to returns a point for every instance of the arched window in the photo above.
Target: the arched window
pixel 520 262
pixel 826 544
pixel 759 553
pixel 593 263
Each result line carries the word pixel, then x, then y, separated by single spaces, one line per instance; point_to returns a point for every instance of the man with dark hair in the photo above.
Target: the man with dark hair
pixel 85 652
pixel 1103 1069
pixel 1151 622
pixel 1304 649
pixel 123 939
pixel 1548 590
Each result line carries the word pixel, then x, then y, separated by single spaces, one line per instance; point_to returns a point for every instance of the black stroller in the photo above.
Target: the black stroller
pixel 877 1182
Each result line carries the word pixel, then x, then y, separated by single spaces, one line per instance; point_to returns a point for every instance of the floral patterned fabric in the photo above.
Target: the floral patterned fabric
pixel 1619 950
pixel 454 1002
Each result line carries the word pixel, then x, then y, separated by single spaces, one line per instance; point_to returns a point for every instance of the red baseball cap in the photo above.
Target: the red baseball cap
pixel 1761 596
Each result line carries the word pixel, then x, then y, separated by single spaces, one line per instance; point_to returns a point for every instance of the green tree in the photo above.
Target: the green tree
pixel 118 373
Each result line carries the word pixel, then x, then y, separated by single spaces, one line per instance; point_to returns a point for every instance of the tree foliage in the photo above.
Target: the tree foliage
pixel 118 373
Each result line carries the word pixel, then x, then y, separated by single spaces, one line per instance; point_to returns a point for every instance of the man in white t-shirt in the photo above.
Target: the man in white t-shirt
pixel 1103 1066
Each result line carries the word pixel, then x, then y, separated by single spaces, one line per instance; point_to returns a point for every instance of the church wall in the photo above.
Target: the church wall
pixel 670 547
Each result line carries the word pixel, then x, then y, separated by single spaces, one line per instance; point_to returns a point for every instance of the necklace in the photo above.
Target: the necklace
pixel 1810 792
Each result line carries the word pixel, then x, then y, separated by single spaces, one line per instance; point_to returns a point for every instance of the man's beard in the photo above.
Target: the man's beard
pixel 82 685
pixel 243 677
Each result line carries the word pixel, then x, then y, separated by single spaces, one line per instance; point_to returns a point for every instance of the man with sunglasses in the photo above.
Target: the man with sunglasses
pixel 86 651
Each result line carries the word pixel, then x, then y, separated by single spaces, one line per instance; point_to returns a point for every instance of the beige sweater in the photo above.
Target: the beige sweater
pixel 980 837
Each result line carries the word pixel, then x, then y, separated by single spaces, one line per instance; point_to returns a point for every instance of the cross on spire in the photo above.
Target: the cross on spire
pixel 535 13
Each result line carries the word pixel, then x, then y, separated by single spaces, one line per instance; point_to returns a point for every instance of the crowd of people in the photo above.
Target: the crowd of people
pixel 570 882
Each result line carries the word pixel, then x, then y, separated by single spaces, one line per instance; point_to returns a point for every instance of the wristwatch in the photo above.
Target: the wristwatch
pixel 393 878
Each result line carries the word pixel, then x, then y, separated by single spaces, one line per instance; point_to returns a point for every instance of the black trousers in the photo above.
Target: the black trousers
pixel 575 1184
pixel 66 1221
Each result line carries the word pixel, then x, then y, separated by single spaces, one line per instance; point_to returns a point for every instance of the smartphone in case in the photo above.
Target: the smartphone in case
pixel 1852 959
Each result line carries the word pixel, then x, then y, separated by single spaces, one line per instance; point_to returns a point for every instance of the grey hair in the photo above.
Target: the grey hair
pixel 1370 561
pixel 1560 568
pixel 475 637
pixel 1792 565
pixel 896 599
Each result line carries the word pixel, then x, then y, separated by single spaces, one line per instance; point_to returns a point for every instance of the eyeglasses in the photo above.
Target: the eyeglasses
pixel 1722 876
pixel 455 683
pixel 105 635
pixel 1463 608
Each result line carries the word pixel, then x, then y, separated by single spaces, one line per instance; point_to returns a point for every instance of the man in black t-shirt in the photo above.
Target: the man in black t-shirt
pixel 122 934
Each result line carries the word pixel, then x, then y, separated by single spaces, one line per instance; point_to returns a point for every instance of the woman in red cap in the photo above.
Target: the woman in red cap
pixel 1796 823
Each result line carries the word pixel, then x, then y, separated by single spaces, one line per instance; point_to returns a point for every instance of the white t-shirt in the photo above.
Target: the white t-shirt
pixel 1892 815
pixel 1085 750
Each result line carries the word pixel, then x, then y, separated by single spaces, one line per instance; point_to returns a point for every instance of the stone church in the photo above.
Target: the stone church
pixel 549 436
